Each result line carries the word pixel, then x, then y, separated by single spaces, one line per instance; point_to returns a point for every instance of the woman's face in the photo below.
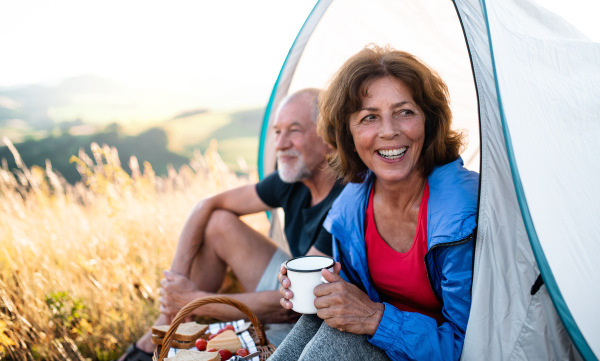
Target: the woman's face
pixel 389 131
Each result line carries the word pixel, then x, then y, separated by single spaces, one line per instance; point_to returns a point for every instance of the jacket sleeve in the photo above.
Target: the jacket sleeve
pixel 414 336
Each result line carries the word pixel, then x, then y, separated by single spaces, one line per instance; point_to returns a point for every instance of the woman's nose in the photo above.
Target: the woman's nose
pixel 389 128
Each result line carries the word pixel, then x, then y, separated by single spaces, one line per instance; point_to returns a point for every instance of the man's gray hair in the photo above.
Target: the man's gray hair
pixel 313 93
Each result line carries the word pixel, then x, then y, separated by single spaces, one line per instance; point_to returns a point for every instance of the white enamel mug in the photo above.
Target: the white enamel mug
pixel 305 274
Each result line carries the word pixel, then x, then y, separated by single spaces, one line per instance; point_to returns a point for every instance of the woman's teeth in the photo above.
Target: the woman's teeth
pixel 392 153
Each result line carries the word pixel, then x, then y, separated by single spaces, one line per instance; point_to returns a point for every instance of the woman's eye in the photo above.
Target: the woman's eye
pixel 369 118
pixel 406 112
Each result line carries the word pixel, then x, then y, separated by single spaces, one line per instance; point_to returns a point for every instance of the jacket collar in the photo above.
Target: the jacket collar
pixel 451 209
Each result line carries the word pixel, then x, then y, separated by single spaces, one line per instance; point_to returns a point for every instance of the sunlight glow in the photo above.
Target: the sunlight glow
pixel 210 49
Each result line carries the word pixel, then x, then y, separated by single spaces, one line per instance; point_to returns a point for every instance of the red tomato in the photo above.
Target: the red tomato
pixel 242 352
pixel 210 337
pixel 225 354
pixel 201 344
pixel 227 327
pixel 211 350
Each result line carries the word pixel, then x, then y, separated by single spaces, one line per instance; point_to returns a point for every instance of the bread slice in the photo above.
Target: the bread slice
pixel 191 355
pixel 189 331
pixel 225 340
pixel 157 340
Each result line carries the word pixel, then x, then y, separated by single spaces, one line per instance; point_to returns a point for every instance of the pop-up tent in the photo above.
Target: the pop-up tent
pixel 524 81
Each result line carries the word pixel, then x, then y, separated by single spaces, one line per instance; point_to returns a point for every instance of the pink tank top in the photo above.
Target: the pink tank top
pixel 401 278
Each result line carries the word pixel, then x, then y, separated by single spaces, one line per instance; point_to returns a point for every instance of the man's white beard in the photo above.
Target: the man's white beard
pixel 292 172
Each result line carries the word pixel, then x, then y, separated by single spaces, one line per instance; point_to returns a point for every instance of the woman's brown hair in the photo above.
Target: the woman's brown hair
pixel 342 98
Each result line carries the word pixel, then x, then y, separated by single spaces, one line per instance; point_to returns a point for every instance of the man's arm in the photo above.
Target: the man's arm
pixel 241 201
pixel 264 304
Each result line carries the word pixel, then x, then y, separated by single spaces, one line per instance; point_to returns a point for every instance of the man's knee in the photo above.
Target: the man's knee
pixel 219 224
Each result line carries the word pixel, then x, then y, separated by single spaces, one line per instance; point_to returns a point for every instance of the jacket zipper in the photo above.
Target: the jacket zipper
pixel 464 240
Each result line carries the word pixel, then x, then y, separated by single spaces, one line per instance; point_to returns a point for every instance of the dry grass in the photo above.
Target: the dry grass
pixel 80 264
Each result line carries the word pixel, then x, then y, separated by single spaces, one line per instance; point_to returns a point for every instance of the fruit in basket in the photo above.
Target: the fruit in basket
pixel 201 344
pixel 227 327
pixel 242 352
pixel 225 354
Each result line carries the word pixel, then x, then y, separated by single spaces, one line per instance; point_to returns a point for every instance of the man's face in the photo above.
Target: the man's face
pixel 300 151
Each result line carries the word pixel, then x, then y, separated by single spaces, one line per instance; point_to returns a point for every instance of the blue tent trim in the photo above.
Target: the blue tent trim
pixel 549 280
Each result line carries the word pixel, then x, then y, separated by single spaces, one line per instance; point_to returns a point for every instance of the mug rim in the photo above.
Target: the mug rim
pixel 308 270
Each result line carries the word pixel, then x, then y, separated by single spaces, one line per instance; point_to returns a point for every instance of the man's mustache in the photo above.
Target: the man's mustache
pixel 288 153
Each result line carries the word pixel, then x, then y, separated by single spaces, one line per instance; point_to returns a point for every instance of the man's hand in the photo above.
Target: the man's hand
pixel 345 307
pixel 176 291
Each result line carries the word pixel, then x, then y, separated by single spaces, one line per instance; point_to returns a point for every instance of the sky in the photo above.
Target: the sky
pixel 223 52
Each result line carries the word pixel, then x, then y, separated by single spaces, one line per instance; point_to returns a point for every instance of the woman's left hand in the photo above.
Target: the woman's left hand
pixel 345 307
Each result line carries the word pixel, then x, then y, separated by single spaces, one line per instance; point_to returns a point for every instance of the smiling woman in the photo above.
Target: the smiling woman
pixel 410 199
pixel 388 98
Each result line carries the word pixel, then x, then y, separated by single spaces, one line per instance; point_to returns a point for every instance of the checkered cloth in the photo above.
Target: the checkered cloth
pixel 245 338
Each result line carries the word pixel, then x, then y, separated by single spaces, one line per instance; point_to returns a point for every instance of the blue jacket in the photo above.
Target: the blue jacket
pixel 451 213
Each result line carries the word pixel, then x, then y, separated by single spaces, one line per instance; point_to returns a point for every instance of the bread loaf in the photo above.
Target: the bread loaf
pixel 191 355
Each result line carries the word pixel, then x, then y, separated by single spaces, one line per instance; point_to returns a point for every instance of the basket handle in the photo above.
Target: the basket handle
pixel 258 327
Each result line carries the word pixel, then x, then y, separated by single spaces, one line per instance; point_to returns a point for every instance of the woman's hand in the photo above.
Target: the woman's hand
pixel 345 307
pixel 284 285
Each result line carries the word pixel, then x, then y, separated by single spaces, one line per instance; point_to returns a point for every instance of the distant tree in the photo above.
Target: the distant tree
pixel 153 137
pixel 150 146
pixel 113 128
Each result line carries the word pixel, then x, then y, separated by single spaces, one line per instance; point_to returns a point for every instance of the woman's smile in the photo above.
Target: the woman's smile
pixel 392 154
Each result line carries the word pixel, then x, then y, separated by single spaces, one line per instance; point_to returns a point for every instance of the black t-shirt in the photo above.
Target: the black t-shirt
pixel 303 223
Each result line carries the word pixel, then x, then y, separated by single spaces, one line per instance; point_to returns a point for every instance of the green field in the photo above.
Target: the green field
pixel 53 122
pixel 170 142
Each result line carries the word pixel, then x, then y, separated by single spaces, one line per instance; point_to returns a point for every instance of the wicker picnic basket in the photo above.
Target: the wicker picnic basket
pixel 256 330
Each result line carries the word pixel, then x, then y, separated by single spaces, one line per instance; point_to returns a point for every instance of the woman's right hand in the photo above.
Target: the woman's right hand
pixel 344 306
pixel 284 288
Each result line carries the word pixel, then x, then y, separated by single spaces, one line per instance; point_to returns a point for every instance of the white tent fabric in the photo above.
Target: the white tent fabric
pixel 506 321
pixel 556 152
pixel 529 79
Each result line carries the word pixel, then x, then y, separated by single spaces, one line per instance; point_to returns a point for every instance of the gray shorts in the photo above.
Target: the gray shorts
pixel 268 280
pixel 276 332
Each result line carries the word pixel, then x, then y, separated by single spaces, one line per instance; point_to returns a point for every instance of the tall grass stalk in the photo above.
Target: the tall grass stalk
pixel 80 264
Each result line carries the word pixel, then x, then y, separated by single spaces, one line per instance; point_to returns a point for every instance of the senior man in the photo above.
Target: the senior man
pixel 214 238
